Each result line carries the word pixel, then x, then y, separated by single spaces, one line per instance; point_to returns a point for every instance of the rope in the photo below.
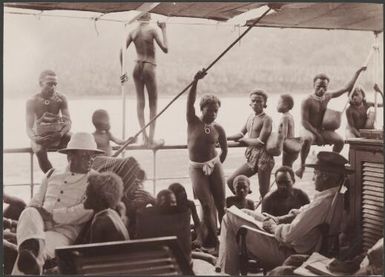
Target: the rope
pixel 186 88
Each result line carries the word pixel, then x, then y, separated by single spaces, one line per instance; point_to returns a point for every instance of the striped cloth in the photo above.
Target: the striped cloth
pixel 127 168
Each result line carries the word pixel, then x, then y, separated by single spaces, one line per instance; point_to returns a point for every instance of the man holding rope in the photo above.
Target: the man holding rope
pixel 145 71
pixel 313 110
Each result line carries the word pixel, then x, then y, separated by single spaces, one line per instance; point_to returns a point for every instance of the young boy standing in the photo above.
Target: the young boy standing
pixel 102 134
pixel 285 104
pixel 206 171
pixel 258 127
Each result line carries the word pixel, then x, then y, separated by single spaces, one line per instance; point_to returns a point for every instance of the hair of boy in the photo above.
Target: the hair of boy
pixel 321 76
pixel 164 193
pixel 261 93
pixel 97 115
pixel 106 187
pixel 286 169
pixel 145 17
pixel 176 188
pixel 358 89
pixel 209 99
pixel 46 73
pixel 240 178
pixel 288 100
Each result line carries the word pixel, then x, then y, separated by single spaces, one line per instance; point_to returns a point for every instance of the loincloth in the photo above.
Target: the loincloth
pixel 207 167
pixel 258 158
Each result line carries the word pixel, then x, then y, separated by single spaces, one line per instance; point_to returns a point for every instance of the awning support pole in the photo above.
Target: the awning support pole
pixel 376 71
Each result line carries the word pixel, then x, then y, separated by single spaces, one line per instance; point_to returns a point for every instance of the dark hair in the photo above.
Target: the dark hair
pixel 285 169
pixel 358 89
pixel 107 187
pixel 209 99
pixel 97 115
pixel 321 76
pixel 180 193
pixel 45 73
pixel 176 188
pixel 288 99
pixel 260 92
pixel 165 193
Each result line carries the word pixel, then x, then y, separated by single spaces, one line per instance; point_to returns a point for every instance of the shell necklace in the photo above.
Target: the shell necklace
pixel 207 128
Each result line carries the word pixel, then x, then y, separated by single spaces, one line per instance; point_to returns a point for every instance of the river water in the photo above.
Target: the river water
pixel 171 126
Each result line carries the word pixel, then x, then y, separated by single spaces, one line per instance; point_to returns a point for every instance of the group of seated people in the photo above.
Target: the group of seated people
pixel 81 202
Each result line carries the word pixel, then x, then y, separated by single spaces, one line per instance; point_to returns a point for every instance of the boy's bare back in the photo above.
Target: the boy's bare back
pixel 143 37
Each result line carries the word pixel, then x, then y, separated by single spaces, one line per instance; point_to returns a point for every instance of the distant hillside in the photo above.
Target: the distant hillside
pixel 277 60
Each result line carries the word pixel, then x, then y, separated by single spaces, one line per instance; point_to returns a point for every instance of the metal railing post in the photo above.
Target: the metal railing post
pixel 31 174
pixel 154 171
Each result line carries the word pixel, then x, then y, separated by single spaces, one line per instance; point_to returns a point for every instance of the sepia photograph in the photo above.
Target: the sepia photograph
pixel 193 138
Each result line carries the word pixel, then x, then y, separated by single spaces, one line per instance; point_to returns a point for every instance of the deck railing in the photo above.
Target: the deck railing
pixel 154 178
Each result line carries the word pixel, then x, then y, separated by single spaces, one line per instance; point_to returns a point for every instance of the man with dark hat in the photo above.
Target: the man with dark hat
pixel 56 213
pixel 296 232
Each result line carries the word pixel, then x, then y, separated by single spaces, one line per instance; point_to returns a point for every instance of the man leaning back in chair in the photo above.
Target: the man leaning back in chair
pixel 56 213
pixel 296 232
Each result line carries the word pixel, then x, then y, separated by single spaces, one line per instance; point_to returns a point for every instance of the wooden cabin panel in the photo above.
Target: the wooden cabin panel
pixel 366 192
pixel 373 203
pixel 376 181
pixel 373 186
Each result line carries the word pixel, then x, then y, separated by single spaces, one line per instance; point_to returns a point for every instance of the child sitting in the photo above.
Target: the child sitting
pixel 102 134
pixel 360 113
pixel 241 185
pixel 104 192
pixel 165 200
pixel 184 203
pixel 291 146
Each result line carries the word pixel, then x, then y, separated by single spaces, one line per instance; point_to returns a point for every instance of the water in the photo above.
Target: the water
pixel 171 126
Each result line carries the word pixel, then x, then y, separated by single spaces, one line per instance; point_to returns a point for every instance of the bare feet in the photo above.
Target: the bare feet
pixel 156 143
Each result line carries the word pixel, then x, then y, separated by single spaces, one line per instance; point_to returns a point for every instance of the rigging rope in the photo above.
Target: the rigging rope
pixel 129 141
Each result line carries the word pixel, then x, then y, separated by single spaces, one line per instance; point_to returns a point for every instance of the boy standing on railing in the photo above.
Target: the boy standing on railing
pixel 102 134
pixel 45 127
pixel 206 171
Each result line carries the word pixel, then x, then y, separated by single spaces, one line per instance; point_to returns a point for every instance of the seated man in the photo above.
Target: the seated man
pixel 296 232
pixel 56 214
pixel 285 198
pixel 313 110
pixel 45 126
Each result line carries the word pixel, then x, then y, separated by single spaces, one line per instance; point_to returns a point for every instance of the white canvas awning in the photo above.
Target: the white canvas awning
pixel 344 16
pixel 220 11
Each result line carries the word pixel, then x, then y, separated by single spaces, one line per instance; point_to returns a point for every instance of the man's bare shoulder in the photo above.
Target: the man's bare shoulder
pixel 218 126
pixel 267 119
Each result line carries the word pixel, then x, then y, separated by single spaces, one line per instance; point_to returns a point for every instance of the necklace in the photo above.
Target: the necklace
pixel 46 102
pixel 207 129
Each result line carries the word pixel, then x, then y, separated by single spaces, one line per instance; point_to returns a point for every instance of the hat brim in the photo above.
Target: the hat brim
pixel 66 150
pixel 329 168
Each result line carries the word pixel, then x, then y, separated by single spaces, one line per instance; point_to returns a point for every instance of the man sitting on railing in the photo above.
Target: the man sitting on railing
pixel 45 127
pixel 56 214
pixel 296 232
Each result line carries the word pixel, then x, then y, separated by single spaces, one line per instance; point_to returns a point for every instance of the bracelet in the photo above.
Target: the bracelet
pixel 260 141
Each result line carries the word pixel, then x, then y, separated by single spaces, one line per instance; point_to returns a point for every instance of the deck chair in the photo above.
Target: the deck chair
pixel 156 256
pixel 327 246
pixel 151 222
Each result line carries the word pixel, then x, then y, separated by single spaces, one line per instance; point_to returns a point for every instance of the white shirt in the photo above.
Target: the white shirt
pixel 62 195
pixel 303 234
